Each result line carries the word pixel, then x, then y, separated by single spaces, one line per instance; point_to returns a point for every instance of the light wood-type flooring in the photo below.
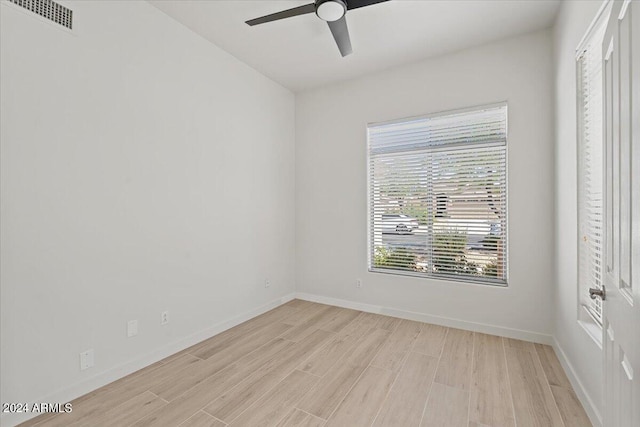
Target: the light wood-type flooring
pixel 308 364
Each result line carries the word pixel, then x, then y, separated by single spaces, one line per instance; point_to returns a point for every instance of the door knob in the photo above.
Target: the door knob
pixel 597 292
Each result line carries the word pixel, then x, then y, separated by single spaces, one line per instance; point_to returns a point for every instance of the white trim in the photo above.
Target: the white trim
pixel 113 374
pixel 606 4
pixel 607 55
pixel 590 324
pixel 590 408
pixel 623 9
pixel 593 330
pixel 627 367
pixel 468 280
pixel 430 318
pixel 439 114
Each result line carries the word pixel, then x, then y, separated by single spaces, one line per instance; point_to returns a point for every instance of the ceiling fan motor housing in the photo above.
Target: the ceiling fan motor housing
pixel 330 10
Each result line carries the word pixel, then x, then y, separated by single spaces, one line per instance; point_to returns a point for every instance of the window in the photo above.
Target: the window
pixel 590 168
pixel 438 196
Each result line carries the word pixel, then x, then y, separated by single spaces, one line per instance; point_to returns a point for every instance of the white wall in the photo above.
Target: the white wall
pixel 331 187
pixel 143 170
pixel 580 350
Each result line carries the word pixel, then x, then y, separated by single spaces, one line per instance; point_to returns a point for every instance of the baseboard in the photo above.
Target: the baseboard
pixel 429 318
pixel 70 393
pixel 589 407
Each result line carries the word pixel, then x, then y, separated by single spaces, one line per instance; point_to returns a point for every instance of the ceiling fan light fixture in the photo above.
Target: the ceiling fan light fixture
pixel 331 10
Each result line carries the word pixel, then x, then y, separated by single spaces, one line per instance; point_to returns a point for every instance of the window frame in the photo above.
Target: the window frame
pixel 469 280
pixel 587 316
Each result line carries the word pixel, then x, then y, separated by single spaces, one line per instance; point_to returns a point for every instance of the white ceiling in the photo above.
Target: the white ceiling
pixel 300 53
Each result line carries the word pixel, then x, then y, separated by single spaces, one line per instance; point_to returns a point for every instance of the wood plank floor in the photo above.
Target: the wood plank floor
pixel 307 364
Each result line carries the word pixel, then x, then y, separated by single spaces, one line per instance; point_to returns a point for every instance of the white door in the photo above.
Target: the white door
pixel 621 308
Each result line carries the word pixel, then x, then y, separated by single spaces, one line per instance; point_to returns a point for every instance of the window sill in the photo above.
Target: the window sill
pixel 590 326
pixel 468 281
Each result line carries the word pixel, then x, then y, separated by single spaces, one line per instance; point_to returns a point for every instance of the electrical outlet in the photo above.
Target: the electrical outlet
pixel 164 318
pixel 132 328
pixel 86 359
pixel 358 283
pixel 267 283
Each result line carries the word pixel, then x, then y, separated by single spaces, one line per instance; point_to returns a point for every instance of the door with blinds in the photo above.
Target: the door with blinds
pixel 438 196
pixel 590 167
pixel 621 303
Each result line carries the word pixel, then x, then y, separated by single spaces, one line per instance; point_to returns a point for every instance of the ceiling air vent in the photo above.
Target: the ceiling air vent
pixel 48 9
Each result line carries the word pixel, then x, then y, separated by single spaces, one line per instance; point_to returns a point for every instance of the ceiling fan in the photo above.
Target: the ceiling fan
pixel 332 11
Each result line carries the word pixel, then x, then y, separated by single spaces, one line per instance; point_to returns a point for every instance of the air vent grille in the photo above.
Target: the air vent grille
pixel 48 9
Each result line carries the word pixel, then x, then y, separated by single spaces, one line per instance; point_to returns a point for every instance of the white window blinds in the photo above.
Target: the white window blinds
pixel 590 170
pixel 438 196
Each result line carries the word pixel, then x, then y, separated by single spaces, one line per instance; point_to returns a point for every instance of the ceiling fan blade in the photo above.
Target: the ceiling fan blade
pixel 355 4
pixel 300 10
pixel 341 35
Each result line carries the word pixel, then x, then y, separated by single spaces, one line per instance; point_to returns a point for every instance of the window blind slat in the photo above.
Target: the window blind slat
pixel 472 127
pixel 590 171
pixel 437 191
